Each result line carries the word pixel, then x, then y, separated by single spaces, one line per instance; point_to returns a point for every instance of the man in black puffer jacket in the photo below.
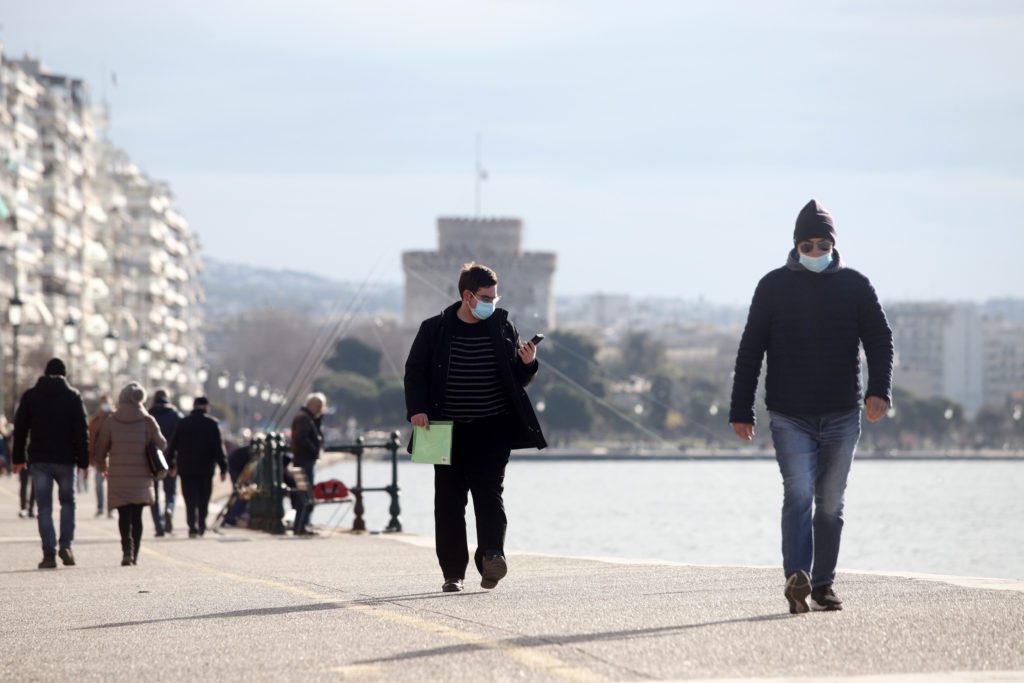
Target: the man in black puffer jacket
pixel 811 317
pixel 195 451
pixel 51 419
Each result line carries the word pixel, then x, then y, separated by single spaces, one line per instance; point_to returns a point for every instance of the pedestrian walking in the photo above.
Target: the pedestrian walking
pixel 50 420
pixel 195 452
pixel 103 410
pixel 468 365
pixel 307 442
pixel 121 456
pixel 26 492
pixel 811 316
pixel 5 456
pixel 167 416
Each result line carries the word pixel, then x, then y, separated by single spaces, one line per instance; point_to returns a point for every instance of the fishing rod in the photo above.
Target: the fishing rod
pixel 319 348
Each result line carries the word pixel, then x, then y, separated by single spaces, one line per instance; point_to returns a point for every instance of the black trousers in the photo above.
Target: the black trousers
pixel 129 523
pixel 480 453
pixel 27 489
pixel 196 491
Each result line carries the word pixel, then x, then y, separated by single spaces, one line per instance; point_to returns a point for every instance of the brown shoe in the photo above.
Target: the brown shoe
pixel 49 562
pixel 494 570
pixel 798 587
pixel 67 557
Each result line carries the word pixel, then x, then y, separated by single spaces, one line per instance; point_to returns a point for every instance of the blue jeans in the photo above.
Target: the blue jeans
pixel 171 492
pixel 815 453
pixel 101 492
pixel 303 514
pixel 170 486
pixel 43 476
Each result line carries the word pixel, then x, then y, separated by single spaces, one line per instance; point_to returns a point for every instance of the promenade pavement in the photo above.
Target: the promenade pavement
pixel 250 606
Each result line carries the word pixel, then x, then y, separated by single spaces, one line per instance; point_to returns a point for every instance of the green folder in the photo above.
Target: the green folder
pixel 432 446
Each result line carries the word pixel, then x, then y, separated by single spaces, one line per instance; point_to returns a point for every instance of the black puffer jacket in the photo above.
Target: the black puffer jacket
pixel 812 325
pixel 426 372
pixel 168 417
pixel 197 448
pixel 51 419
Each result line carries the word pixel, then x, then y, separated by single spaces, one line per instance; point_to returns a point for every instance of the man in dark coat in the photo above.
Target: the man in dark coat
pixel 307 442
pixel 195 451
pixel 167 416
pixel 811 317
pixel 468 365
pixel 51 419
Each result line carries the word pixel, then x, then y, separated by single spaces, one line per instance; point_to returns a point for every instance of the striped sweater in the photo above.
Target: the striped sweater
pixel 474 388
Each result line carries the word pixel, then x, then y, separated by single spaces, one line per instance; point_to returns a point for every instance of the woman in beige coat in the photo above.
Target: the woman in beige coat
pixel 120 454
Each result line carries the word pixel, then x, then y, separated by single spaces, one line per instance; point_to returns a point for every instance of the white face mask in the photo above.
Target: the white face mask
pixel 483 310
pixel 816 264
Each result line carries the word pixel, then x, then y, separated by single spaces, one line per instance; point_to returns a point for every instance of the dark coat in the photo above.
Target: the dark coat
pixel 426 373
pixel 51 419
pixel 167 416
pixel 811 325
pixel 196 448
pixel 307 437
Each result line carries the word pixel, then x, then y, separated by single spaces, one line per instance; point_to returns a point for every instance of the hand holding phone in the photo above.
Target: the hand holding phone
pixel 537 339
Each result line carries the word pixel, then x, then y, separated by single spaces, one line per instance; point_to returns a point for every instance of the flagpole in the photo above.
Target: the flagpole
pixel 478 175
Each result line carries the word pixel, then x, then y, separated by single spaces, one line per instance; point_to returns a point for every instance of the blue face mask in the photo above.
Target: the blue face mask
pixel 816 264
pixel 483 310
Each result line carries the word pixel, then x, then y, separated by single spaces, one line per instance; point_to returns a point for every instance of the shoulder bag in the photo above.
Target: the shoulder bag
pixel 156 460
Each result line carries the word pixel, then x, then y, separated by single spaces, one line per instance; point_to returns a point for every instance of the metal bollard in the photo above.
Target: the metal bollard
pixel 359 524
pixel 267 506
pixel 358 491
pixel 396 509
pixel 277 449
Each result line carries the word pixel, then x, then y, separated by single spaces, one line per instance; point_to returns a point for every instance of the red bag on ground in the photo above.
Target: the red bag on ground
pixel 332 489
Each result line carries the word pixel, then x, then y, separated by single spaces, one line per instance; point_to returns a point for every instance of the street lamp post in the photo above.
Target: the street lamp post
pixel 240 390
pixel 110 349
pixel 70 336
pixel 14 317
pixel 145 355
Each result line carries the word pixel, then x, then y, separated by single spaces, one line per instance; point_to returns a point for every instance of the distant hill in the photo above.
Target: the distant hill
pixel 233 287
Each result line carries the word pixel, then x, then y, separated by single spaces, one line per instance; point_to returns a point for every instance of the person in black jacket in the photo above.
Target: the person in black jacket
pixel 167 416
pixel 469 366
pixel 50 419
pixel 307 442
pixel 195 451
pixel 811 318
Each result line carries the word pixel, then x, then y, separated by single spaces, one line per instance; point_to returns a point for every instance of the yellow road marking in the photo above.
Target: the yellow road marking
pixel 527 656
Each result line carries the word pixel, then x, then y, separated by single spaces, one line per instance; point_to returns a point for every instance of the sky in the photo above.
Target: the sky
pixel 661 148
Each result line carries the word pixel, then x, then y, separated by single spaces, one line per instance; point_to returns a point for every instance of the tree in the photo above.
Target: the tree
pixel 567 410
pixel 641 354
pixel 391 404
pixel 352 355
pixel 573 357
pixel 659 402
pixel 352 394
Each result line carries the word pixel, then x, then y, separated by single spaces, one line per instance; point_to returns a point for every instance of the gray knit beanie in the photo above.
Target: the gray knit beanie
pixel 132 393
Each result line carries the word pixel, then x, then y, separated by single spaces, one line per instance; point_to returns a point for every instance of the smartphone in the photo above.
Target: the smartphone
pixel 537 339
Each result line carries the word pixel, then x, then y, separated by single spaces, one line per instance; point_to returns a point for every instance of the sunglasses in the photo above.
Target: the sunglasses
pixel 808 246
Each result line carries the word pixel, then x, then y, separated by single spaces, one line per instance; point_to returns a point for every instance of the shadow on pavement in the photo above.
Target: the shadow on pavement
pixel 275 611
pixel 543 641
